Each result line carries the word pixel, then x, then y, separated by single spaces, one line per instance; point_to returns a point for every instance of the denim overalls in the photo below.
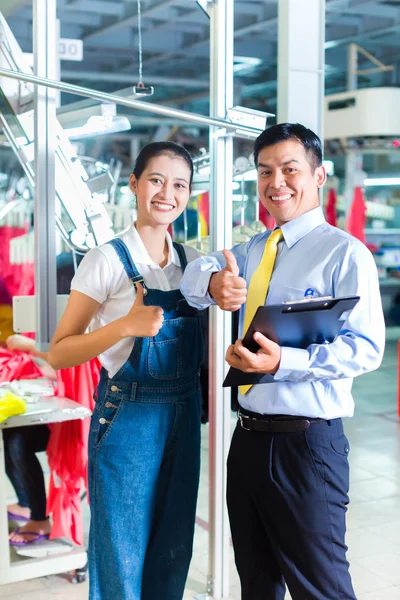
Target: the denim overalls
pixel 144 457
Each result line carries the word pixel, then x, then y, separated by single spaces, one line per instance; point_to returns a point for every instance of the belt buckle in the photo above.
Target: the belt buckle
pixel 241 417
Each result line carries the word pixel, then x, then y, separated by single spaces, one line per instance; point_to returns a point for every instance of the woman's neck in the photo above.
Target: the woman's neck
pixel 154 241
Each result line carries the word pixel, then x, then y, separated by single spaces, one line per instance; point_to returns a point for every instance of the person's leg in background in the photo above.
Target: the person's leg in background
pixel 21 510
pixel 25 473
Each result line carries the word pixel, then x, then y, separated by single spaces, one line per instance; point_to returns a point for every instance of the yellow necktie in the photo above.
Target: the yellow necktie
pixel 259 283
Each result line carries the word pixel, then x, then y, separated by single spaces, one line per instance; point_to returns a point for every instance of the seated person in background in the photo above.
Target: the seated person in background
pixel 23 467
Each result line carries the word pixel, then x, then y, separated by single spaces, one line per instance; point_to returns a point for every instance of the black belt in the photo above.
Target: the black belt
pixel 276 423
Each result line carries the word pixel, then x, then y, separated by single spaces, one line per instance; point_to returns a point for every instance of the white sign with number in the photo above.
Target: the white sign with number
pixel 70 49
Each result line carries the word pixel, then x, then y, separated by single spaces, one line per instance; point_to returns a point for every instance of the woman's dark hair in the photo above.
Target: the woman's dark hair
pixel 291 131
pixel 158 149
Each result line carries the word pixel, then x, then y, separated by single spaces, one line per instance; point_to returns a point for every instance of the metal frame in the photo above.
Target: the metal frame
pixel 44 30
pixel 221 160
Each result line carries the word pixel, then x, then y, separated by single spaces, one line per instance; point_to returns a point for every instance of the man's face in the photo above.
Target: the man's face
pixel 287 184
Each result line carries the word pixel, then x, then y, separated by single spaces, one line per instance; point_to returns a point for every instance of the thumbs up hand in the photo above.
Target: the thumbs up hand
pixel 141 320
pixel 226 287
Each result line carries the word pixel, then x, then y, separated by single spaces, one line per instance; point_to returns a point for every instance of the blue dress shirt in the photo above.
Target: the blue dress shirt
pixel 319 260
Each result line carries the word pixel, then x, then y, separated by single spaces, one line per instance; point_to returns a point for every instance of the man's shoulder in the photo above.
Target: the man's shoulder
pixel 343 241
pixel 339 235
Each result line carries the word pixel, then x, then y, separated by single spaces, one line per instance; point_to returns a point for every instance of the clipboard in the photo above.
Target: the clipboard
pixel 295 324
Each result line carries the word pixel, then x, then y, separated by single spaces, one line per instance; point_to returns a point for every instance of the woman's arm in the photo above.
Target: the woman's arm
pixel 71 346
pixel 25 344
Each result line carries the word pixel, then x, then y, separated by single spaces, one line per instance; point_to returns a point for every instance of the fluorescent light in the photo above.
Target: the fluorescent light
pixel 382 181
pixel 99 125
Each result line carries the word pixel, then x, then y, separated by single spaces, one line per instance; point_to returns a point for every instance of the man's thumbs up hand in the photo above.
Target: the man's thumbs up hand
pixel 226 287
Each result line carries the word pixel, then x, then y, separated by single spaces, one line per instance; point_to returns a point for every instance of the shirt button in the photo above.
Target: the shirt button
pixel 114 388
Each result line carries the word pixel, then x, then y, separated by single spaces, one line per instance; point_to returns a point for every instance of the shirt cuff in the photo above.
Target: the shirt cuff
pixel 201 287
pixel 293 360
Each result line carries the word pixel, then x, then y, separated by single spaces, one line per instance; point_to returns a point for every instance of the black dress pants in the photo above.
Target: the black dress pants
pixel 23 467
pixel 287 501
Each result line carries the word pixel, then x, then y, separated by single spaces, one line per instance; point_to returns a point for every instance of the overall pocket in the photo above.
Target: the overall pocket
pixel 177 350
pixel 106 416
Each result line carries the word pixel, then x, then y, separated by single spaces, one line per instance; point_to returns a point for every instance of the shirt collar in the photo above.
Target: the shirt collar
pixel 141 254
pixel 294 230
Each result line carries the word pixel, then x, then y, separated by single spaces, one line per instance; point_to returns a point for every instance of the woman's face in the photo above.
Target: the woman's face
pixel 162 191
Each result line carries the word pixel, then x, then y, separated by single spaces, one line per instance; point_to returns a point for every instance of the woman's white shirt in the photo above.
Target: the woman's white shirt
pixel 102 277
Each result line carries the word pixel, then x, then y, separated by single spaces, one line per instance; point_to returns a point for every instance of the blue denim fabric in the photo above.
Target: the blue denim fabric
pixel 144 458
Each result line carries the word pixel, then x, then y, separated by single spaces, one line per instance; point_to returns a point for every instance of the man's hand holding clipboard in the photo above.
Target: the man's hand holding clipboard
pixel 256 358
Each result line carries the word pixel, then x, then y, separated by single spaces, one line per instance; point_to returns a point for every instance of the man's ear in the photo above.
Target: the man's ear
pixel 320 174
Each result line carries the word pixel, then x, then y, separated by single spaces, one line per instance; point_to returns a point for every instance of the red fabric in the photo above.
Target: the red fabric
pixel 17 365
pixel 266 218
pixel 357 216
pixel 331 214
pixel 263 214
pixel 19 279
pixel 67 453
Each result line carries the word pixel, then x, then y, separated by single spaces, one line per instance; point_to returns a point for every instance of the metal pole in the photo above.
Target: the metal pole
pixel 221 162
pixel 240 130
pixel 44 32
pixel 352 67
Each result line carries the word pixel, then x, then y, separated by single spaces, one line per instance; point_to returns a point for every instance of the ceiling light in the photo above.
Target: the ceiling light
pixel 99 125
pixel 381 181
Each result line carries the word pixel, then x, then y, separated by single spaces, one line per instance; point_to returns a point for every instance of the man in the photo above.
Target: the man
pixel 288 472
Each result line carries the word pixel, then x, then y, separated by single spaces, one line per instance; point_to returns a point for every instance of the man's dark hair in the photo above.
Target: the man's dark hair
pixel 158 149
pixel 291 131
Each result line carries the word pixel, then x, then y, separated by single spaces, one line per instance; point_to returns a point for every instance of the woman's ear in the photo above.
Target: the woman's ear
pixel 133 184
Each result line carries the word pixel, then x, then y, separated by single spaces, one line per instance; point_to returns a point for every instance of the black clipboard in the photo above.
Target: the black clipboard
pixel 297 325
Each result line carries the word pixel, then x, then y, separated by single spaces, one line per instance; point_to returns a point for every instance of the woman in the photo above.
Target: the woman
pixel 144 445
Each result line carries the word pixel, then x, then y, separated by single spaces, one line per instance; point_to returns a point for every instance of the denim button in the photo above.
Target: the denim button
pixel 102 421
pixel 114 388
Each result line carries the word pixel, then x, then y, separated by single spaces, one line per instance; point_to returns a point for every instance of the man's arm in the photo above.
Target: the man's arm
pixel 216 279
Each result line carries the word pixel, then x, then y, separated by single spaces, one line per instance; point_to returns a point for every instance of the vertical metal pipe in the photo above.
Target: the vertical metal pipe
pixel 221 161
pixel 44 33
pixel 352 67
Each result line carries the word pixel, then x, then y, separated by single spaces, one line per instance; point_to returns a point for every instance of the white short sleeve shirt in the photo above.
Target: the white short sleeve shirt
pixel 102 277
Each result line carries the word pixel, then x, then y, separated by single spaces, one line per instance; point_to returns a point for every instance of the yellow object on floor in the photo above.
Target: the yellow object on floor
pixel 10 406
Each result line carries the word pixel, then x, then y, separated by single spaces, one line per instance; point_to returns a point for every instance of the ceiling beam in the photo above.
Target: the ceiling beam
pixel 129 21
pixel 359 37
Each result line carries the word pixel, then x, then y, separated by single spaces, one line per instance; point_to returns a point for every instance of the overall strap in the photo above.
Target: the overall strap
pixel 181 253
pixel 127 261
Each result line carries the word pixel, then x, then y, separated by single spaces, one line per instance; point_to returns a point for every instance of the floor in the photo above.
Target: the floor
pixel 374 515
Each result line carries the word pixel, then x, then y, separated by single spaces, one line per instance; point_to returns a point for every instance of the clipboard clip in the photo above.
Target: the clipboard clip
pixel 308 300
